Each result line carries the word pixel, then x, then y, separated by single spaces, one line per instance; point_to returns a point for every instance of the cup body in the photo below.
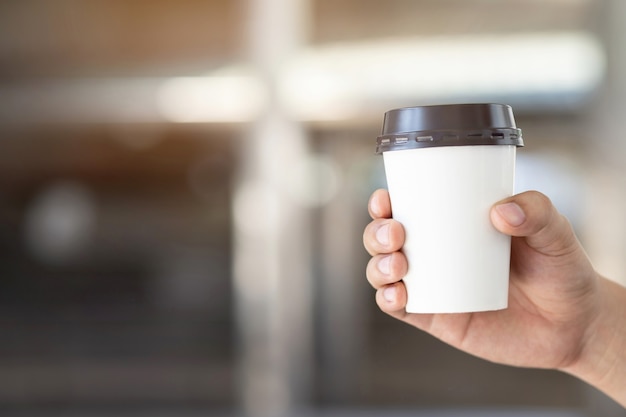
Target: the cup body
pixel 446 166
pixel 457 261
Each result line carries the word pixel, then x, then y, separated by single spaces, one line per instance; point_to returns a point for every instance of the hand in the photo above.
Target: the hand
pixel 561 315
pixel 554 291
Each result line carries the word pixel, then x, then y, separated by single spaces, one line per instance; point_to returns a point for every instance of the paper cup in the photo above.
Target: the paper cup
pixel 445 167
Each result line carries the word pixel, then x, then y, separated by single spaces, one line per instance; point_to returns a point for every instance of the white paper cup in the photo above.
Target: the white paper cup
pixel 445 167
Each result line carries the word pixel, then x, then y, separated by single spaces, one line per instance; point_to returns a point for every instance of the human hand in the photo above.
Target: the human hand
pixel 554 297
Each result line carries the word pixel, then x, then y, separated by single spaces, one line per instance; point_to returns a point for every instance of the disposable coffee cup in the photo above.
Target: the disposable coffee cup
pixel 445 167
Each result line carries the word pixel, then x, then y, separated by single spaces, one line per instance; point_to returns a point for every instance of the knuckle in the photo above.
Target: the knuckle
pixel 539 199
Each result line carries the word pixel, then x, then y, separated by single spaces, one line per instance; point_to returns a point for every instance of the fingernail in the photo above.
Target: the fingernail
pixel 382 234
pixel 384 265
pixel 511 213
pixel 389 293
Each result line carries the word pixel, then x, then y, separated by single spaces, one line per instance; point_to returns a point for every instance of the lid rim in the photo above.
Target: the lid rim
pixel 439 138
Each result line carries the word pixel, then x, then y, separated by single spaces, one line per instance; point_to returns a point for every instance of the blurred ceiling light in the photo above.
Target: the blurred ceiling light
pixel 337 82
pixel 224 98
pixel 351 75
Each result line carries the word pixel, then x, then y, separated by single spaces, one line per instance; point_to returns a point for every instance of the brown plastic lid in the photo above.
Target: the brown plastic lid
pixel 448 125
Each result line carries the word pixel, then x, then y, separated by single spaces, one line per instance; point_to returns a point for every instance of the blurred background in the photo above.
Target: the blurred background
pixel 183 190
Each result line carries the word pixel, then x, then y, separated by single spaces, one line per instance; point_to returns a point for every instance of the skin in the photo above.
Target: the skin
pixel 562 314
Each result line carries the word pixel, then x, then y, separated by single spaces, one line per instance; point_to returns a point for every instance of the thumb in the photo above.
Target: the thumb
pixel 533 216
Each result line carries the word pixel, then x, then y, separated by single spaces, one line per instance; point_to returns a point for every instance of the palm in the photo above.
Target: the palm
pixel 545 315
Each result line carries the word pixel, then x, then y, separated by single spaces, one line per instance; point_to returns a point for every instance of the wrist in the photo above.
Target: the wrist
pixel 602 358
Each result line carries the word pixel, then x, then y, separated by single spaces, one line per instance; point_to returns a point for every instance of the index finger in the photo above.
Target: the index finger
pixel 379 205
